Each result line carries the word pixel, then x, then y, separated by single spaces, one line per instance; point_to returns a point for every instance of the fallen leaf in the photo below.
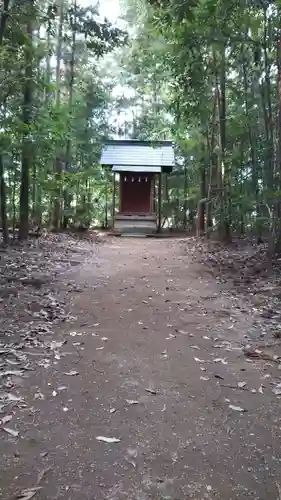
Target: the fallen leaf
pixel 108 439
pixel 277 390
pixel 216 375
pixel 241 384
pixel 39 395
pixel 195 347
pixel 132 401
pixel 199 360
pixel 29 493
pixel 72 373
pixel 182 332
pixel 204 378
pixel 9 373
pixel 112 410
pixel 220 360
pixel 56 345
pixel 151 390
pixel 12 432
pixel 99 348
pixel 6 419
pixel 236 408
pixel 62 388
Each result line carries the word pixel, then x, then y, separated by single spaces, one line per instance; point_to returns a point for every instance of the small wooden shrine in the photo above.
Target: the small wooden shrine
pixel 137 167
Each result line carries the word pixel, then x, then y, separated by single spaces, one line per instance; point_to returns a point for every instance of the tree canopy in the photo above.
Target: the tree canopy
pixel 204 73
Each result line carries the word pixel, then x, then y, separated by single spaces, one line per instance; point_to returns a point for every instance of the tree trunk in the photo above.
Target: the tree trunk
pixel 3 203
pixel 184 194
pixel 4 18
pixel 26 156
pixel 202 204
pixel 58 161
pixel 3 196
pixel 225 225
pixel 68 155
pixel 277 205
pixel 268 93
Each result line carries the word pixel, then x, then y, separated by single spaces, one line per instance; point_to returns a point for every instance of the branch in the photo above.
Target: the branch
pixel 4 18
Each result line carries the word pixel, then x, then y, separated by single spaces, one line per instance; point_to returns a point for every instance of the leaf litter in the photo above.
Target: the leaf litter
pixel 29 493
pixel 10 431
pixel 6 419
pixel 30 308
pixel 108 439
pixel 237 408
pixel 277 390
pixel 72 373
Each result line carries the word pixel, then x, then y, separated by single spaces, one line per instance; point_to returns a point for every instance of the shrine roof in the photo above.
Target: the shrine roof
pixel 138 153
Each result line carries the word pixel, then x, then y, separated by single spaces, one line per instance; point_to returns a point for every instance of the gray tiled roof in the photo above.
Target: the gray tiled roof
pixel 138 153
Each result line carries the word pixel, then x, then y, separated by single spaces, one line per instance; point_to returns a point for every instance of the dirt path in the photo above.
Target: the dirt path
pixel 157 350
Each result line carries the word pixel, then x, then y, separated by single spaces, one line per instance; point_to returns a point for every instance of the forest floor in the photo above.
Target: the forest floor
pixel 166 348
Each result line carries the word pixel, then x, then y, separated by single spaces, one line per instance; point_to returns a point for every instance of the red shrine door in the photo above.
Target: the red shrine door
pixel 135 193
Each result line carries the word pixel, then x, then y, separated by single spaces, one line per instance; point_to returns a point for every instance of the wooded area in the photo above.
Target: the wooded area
pixel 140 368
pixel 205 74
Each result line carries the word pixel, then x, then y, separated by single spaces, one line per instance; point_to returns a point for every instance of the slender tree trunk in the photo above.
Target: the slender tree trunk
pixel 26 157
pixel 212 165
pixel 58 161
pixel 68 155
pixel 202 204
pixel 3 202
pixel 14 216
pixel 4 18
pixel 277 208
pixel 225 226
pixel 3 196
pixel 48 63
pixel 252 141
pixel 184 194
pixel 268 93
pixel 242 194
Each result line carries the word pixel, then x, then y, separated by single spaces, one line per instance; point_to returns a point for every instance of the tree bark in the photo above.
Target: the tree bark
pixel 277 205
pixel 184 194
pixel 3 196
pixel 68 155
pixel 3 202
pixel 225 225
pixel 26 156
pixel 202 205
pixel 56 218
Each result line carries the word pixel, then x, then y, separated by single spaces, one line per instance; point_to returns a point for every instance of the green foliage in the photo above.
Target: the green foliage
pixel 204 73
pixel 70 106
